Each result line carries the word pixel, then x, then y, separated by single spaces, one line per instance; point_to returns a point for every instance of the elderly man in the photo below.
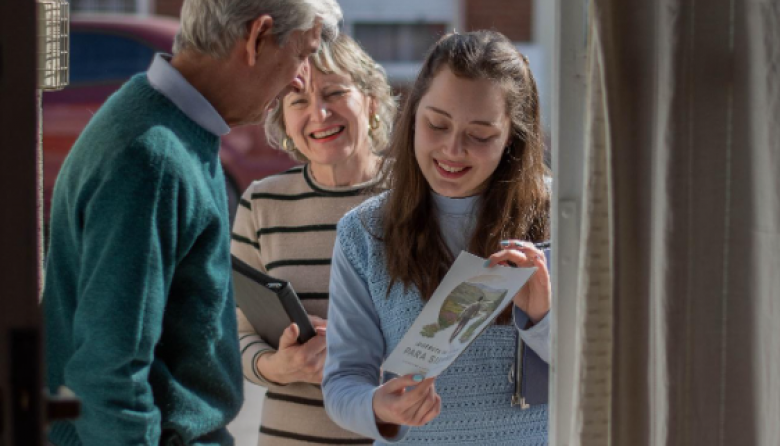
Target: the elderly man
pixel 140 317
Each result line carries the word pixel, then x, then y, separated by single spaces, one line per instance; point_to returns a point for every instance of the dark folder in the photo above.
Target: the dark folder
pixel 270 304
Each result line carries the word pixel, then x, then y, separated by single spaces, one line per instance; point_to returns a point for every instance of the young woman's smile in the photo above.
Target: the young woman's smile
pixel 451 170
pixel 461 128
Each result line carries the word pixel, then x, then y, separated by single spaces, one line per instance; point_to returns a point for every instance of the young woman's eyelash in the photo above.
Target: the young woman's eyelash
pixel 434 127
pixel 481 140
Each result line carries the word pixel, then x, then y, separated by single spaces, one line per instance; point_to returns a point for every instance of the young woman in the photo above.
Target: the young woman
pixel 338 125
pixel 468 175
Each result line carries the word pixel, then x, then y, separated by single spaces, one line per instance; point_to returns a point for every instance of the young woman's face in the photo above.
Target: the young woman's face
pixel 461 129
pixel 328 120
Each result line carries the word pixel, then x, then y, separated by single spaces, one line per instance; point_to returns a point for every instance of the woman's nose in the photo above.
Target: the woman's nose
pixel 321 110
pixel 454 146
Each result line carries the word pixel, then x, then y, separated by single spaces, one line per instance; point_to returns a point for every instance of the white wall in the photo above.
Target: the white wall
pixel 144 7
pixel 544 39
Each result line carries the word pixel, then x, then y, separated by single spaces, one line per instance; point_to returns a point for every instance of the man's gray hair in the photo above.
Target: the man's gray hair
pixel 212 27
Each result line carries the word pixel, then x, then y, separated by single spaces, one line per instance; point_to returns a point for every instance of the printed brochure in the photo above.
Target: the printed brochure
pixel 468 299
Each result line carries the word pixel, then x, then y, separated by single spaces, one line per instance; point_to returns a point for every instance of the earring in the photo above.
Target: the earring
pixel 287 144
pixel 374 122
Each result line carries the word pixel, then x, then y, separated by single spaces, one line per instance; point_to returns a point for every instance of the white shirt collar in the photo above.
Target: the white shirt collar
pixel 170 83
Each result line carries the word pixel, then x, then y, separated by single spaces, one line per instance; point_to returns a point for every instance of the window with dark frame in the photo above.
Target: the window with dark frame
pixel 398 42
pixel 103 5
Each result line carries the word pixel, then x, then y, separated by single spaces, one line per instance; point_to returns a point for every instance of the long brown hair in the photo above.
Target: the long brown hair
pixel 515 201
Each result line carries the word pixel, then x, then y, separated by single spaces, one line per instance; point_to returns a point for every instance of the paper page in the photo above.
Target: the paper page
pixel 468 299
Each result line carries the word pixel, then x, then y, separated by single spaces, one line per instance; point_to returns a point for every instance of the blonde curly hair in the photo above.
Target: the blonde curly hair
pixel 344 56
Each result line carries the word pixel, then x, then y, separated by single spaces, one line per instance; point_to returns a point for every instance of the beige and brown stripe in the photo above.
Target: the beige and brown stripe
pixel 286 226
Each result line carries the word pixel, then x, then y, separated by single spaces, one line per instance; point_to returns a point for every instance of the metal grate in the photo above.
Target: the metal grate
pixel 53 44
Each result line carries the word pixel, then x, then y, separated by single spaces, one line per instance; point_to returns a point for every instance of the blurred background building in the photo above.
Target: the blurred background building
pixel 398 33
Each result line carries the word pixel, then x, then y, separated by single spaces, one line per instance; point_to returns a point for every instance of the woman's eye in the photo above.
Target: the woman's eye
pixel 481 140
pixel 295 102
pixel 334 94
pixel 436 127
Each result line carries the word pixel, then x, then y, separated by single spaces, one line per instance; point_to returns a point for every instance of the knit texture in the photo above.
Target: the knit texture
pixel 286 226
pixel 140 320
pixel 475 389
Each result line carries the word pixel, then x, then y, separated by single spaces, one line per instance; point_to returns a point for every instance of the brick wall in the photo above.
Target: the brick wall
pixel 513 18
pixel 168 7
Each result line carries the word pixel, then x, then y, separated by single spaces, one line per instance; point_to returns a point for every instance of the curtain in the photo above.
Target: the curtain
pixel 595 300
pixel 678 317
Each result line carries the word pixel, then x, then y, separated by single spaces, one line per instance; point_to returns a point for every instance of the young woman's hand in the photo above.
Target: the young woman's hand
pixel 294 362
pixel 407 400
pixel 535 296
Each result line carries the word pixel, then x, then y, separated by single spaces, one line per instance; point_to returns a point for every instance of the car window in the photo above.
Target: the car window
pixel 97 57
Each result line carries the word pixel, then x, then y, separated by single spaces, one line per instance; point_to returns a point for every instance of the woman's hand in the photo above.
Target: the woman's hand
pixel 407 400
pixel 295 362
pixel 535 296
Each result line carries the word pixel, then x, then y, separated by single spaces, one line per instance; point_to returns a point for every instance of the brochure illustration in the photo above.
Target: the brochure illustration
pixel 468 299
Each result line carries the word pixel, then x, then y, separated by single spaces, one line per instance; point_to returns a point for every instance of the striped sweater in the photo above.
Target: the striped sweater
pixel 286 226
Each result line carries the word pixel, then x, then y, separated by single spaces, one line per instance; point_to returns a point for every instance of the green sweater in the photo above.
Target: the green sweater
pixel 140 317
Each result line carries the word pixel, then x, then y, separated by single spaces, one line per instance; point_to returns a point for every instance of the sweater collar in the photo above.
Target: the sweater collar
pixel 355 189
pixel 455 206
pixel 170 83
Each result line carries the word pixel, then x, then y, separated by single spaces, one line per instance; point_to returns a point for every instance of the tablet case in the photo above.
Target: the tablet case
pixel 270 304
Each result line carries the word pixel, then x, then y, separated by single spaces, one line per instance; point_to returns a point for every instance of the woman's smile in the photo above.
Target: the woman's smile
pixel 451 170
pixel 327 134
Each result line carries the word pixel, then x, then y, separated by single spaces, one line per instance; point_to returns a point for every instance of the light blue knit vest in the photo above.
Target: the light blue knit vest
pixel 475 390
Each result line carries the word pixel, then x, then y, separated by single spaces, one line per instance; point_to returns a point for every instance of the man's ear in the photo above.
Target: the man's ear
pixel 260 34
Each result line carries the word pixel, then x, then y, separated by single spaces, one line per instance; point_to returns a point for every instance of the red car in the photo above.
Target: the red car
pixel 105 51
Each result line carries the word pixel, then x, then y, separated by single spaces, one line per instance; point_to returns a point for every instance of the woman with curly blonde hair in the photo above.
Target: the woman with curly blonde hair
pixel 338 125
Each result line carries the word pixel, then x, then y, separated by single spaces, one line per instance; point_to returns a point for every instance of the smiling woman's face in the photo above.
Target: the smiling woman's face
pixel 461 129
pixel 328 120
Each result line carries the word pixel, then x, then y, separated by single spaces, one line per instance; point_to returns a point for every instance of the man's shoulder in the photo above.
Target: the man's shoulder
pixel 137 108
pixel 137 125
pixel 127 113
pixel 131 96
pixel 152 145
pixel 150 157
